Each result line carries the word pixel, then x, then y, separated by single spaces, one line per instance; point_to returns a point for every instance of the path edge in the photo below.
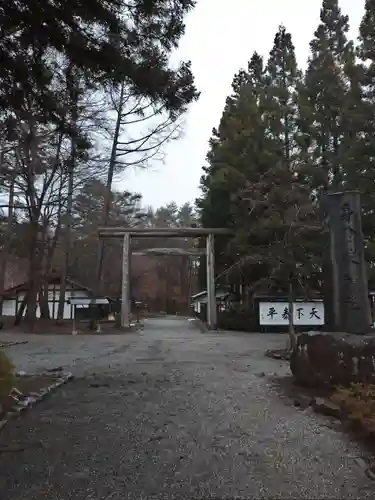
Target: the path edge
pixel 32 398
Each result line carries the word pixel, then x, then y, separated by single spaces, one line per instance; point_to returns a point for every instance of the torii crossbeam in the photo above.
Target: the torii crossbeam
pixel 187 232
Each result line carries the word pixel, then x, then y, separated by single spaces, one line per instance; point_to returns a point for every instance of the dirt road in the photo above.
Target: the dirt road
pixel 170 412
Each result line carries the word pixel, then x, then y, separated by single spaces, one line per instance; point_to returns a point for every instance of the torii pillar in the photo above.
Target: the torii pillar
pixel 125 289
pixel 211 292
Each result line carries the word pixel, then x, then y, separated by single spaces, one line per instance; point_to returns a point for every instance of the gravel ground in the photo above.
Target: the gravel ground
pixel 170 413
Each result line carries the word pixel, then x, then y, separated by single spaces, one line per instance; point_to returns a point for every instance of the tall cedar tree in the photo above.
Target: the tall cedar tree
pixel 323 98
pixel 283 81
pixel 266 210
pixel 363 149
pixel 327 100
pixel 229 155
pixel 213 205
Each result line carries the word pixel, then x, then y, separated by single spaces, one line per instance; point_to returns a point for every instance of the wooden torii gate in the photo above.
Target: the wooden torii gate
pixel 189 232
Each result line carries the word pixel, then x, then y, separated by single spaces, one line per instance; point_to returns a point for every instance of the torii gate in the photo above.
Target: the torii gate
pixel 128 233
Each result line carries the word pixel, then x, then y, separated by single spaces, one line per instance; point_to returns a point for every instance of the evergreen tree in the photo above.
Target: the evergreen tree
pixel 282 221
pixel 53 50
pixel 324 96
pixel 361 138
pixel 235 145
pixel 110 40
pixel 254 167
pixel 272 198
pixel 283 80
pixel 287 136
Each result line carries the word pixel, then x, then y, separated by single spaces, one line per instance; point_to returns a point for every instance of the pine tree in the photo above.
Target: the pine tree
pixel 44 47
pixel 110 40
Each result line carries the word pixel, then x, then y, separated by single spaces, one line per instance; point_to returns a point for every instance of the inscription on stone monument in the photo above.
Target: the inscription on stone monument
pixel 349 278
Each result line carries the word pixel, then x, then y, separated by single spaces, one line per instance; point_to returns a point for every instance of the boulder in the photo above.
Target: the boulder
pixel 322 358
pixel 326 407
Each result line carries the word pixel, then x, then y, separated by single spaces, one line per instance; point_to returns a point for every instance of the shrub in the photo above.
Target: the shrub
pixel 241 320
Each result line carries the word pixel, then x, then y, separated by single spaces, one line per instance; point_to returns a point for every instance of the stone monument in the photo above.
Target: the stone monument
pixel 340 358
pixel 350 304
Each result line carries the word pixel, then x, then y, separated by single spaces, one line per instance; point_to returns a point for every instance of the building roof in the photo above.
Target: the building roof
pixel 284 296
pixel 52 278
pixel 202 295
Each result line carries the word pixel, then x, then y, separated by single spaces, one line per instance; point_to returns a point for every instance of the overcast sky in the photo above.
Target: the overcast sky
pixel 221 36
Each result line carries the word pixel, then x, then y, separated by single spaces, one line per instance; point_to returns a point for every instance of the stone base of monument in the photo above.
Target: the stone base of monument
pixel 333 359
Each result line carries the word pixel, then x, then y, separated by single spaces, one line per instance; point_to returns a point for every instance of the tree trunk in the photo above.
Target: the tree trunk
pixel 8 235
pixel 167 288
pixel 21 310
pixel 34 273
pixel 47 251
pixel 67 237
pixel 189 272
pixel 32 300
pixel 44 291
pixel 108 197
pixel 37 236
pixel 43 301
pixel 69 208
pixel 292 332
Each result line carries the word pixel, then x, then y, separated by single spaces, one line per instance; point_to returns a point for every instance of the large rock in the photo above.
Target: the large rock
pixel 333 359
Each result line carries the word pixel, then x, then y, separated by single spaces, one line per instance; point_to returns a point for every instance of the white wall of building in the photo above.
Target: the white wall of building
pixel 10 305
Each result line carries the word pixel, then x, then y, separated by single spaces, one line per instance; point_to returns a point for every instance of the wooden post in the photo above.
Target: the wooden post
pixel 125 296
pixel 211 295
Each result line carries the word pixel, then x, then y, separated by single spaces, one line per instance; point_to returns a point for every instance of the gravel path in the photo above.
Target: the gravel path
pixel 170 413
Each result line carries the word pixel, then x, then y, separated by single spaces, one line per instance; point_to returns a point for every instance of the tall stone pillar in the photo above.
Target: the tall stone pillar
pixel 351 306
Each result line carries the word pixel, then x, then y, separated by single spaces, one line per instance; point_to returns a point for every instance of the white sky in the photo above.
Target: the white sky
pixel 221 36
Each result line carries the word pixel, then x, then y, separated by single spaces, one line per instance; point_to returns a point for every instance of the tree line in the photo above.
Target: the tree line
pixel 86 92
pixel 286 137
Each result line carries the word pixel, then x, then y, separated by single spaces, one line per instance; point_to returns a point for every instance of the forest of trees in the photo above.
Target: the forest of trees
pixel 86 92
pixel 286 137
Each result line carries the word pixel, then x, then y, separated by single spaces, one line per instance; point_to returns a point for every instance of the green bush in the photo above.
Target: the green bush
pixel 6 373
